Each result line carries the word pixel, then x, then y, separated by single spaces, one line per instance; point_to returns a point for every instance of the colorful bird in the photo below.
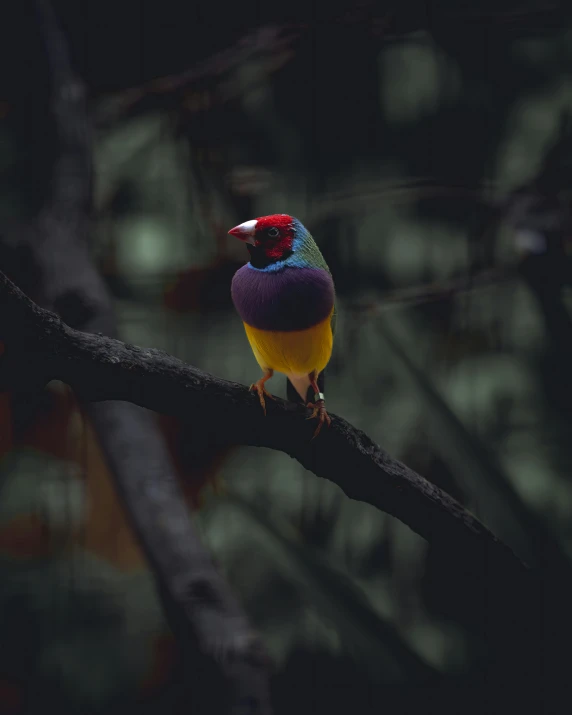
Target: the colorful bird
pixel 285 296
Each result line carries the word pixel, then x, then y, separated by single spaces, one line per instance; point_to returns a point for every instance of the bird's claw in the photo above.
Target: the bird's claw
pixel 319 411
pixel 261 390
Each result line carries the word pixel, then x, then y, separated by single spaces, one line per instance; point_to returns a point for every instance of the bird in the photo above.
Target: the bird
pixel 286 298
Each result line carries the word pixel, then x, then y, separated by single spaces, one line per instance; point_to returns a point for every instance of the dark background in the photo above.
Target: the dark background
pixel 427 148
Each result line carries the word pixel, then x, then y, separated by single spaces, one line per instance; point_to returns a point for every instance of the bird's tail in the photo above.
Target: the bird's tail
pixel 294 395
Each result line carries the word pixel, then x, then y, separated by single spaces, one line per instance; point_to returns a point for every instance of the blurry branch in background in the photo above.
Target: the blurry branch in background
pixel 351 200
pixel 477 468
pixel 373 641
pixel 347 201
pixel 204 614
pixel 274 41
pixel 442 290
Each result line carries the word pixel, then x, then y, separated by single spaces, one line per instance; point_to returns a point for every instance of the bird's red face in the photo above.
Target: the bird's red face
pixel 269 238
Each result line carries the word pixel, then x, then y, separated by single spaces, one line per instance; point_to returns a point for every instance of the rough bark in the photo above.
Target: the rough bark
pixel 100 368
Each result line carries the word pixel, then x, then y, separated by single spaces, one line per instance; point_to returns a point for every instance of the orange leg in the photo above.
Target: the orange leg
pixel 318 407
pixel 261 390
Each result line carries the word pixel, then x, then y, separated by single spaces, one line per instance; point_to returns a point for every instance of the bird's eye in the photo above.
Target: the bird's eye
pixel 273 232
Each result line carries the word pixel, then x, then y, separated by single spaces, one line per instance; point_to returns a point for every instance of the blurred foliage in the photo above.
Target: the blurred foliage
pixel 398 140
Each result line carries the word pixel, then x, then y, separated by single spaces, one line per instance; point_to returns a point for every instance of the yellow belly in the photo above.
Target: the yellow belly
pixel 297 352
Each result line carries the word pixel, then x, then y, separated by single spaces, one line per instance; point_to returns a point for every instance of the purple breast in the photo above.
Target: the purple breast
pixel 291 299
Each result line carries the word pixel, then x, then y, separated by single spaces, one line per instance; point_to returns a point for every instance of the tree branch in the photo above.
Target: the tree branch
pixel 100 368
pixel 266 39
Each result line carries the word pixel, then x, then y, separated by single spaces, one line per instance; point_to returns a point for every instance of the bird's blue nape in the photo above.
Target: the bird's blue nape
pixel 296 259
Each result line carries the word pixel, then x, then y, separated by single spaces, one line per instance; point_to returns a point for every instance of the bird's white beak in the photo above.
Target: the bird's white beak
pixel 245 231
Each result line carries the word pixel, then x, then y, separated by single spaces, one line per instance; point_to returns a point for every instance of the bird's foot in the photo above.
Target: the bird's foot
pixel 319 411
pixel 261 390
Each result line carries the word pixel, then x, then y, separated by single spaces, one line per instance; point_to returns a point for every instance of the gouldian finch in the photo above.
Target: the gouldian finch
pixel 285 296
